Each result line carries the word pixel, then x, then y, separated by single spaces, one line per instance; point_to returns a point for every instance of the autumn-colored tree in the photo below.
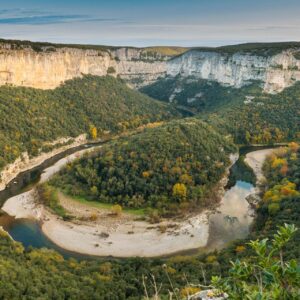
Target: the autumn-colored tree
pixel 278 162
pixel 186 178
pixel 146 174
pixel 284 169
pixel 117 210
pixel 275 194
pixel 93 132
pixel 179 191
pixel 240 249
pixel 267 135
pixel 294 147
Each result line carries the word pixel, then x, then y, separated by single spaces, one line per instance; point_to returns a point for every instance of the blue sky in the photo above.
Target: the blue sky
pixel 151 22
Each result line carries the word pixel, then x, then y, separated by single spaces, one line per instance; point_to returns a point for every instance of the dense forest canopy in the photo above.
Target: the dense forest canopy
pixel 248 114
pixel 30 117
pixel 175 164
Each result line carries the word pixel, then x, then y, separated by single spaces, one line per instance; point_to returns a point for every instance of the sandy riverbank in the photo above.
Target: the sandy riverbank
pixel 256 160
pixel 111 236
pixel 128 238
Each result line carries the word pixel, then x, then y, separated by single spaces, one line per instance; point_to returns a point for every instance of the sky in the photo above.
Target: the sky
pixel 151 22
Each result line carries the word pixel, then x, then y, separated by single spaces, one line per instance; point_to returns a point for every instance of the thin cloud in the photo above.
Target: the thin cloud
pixel 268 28
pixel 35 17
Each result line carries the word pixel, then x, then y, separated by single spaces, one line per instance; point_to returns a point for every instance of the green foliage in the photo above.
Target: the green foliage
pixel 297 55
pixel 44 46
pixel 260 49
pixel 266 275
pixel 47 195
pixel 248 114
pixel 161 168
pixel 111 70
pixel 265 119
pixel 281 197
pixel 30 117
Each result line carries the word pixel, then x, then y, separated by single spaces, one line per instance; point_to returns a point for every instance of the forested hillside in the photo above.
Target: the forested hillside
pixel 29 117
pixel 166 167
pixel 247 113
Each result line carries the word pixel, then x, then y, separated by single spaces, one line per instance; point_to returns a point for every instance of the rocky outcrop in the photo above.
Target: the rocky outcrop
pixel 49 67
pixel 138 67
pixel 276 72
pixel 209 295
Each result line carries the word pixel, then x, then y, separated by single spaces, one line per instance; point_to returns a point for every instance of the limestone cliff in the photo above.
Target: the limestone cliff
pixel 48 68
pixel 276 72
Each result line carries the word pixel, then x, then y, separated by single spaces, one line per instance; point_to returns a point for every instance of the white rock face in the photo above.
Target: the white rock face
pixel 276 72
pixel 48 69
pixel 138 68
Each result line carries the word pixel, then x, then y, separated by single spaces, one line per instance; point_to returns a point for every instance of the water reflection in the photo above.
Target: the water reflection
pixel 233 217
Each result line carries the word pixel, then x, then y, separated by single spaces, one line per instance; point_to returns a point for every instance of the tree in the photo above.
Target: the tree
pixel 94 190
pixel 117 210
pixel 179 191
pixel 93 132
pixel 266 275
pixel 146 174
pixel 248 137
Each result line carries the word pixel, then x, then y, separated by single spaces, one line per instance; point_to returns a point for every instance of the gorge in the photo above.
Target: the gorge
pixel 115 162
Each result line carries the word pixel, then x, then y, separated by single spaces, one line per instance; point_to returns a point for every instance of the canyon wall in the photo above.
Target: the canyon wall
pixel 50 67
pixel 47 69
pixel 276 72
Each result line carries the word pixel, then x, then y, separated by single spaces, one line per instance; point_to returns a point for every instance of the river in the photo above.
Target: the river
pixel 230 221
